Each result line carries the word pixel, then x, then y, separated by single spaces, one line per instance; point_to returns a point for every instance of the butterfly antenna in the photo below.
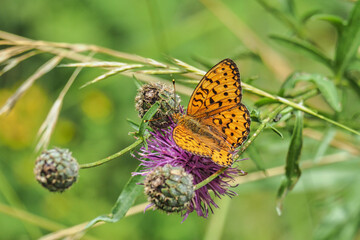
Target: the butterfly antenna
pixel 175 104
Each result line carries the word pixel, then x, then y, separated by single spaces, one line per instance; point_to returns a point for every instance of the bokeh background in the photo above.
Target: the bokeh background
pixel 93 122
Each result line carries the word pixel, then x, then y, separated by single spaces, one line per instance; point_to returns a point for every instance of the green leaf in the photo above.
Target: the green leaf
pixel 147 117
pixel 126 199
pixel 133 124
pixel 334 20
pixel 292 169
pixel 353 78
pixel 348 42
pixel 306 47
pixel 264 101
pixel 255 116
pixel 276 131
pixel 326 87
pixel 308 15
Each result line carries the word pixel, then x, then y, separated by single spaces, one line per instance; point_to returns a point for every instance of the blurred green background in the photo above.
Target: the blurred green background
pixel 93 125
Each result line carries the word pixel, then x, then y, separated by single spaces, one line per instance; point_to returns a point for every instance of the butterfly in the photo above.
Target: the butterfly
pixel 216 122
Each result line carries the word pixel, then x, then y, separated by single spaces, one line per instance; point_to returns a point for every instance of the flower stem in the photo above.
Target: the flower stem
pixel 209 179
pixel 118 154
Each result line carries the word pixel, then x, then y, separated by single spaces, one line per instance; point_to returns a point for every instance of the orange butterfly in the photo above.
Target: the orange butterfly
pixel 216 122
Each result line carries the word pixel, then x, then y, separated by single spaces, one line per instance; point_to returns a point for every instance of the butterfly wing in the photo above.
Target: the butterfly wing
pixel 207 147
pixel 233 125
pixel 217 91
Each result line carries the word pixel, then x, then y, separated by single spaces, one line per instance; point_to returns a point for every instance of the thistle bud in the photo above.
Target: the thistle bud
pixel 56 170
pixel 169 188
pixel 151 93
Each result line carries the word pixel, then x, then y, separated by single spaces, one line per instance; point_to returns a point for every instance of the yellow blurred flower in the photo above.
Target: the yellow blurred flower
pixel 97 106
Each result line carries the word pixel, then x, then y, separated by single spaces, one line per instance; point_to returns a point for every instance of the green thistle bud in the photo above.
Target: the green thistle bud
pixel 169 188
pixel 151 93
pixel 56 170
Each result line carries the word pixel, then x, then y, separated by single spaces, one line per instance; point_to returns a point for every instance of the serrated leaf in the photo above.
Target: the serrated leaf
pixel 326 87
pixel 348 42
pixel 306 47
pixel 292 169
pixel 125 200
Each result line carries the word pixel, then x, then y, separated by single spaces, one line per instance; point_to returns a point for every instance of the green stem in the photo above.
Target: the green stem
pixel 209 179
pixel 118 154
pixel 296 106
pixel 262 126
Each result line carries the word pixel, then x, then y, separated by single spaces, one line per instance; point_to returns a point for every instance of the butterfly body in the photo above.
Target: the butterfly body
pixel 216 122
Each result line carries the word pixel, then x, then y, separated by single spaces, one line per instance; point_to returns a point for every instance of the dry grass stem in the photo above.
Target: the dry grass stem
pixel 340 144
pixel 113 72
pixel 45 68
pixel 188 67
pixel 96 64
pixel 48 125
pixel 13 62
pixel 9 52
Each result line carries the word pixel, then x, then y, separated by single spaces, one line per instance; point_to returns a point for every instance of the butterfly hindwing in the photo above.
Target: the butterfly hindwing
pixel 232 124
pixel 190 142
pixel 187 140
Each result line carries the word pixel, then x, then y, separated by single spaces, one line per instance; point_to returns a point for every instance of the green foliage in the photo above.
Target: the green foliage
pixel 126 199
pixel 292 168
pixel 349 41
pixel 326 87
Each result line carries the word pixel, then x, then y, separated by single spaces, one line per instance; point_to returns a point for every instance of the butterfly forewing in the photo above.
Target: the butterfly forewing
pixel 218 90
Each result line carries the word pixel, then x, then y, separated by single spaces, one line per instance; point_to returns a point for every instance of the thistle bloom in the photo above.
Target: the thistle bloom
pixel 163 150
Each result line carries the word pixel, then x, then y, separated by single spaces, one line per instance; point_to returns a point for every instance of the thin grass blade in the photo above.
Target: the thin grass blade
pixel 11 63
pixel 112 72
pixel 45 68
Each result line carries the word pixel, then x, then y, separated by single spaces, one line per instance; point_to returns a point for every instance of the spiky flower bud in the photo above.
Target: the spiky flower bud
pixel 149 94
pixel 56 170
pixel 169 188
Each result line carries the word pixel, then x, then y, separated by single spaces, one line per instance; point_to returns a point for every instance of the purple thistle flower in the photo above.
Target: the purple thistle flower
pixel 163 150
